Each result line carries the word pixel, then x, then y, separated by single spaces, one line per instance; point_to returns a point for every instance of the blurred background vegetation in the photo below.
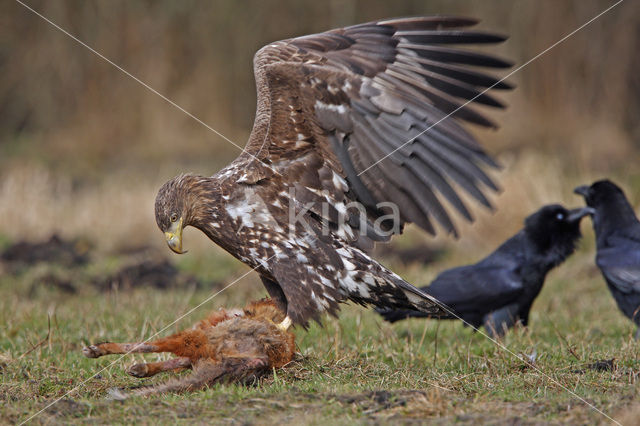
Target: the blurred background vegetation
pixel 84 148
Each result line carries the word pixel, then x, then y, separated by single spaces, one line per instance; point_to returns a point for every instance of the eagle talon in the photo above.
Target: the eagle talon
pixel 285 324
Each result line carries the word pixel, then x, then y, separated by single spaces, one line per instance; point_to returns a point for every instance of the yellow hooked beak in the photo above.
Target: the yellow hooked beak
pixel 174 237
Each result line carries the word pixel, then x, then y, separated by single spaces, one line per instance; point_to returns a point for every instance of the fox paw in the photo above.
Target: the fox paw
pixel 138 370
pixel 92 351
pixel 255 363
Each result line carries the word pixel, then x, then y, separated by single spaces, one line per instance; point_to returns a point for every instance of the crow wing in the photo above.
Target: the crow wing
pixel 470 292
pixel 620 262
pixel 476 289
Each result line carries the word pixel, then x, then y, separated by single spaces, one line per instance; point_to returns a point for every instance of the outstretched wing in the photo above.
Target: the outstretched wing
pixel 361 114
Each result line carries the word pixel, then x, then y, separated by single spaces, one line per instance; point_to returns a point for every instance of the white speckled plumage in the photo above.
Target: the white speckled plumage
pixel 329 106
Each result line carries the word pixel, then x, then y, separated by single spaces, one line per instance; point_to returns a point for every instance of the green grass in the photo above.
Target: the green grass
pixel 353 370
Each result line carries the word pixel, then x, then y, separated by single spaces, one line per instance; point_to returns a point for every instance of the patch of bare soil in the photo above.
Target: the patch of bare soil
pixel 396 404
pixel 601 365
pixel 54 281
pixel 417 406
pixel 371 402
pixel 55 250
pixel 61 265
pixel 158 274
pixel 68 407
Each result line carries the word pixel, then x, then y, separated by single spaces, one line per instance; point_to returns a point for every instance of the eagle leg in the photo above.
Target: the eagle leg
pixel 276 293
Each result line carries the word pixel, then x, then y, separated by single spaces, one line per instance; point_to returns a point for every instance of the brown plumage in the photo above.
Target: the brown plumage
pixel 228 346
pixel 330 106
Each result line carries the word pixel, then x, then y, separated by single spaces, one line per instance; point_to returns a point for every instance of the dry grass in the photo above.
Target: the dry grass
pixel 41 203
pixel 117 212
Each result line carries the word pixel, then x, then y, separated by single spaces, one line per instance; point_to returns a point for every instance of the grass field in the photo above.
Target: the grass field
pixel 84 149
pixel 354 369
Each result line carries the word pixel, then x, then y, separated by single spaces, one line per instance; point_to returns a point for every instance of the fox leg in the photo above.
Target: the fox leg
pixel 107 348
pixel 185 343
pixel 152 368
pixel 167 344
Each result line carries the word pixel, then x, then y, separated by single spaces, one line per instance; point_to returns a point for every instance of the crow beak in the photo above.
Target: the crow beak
pixel 576 214
pixel 582 190
pixel 174 237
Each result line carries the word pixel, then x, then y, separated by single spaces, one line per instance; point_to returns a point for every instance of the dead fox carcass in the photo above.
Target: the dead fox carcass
pixel 235 345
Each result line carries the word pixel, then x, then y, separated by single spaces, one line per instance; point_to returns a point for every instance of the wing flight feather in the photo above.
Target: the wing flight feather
pixel 342 100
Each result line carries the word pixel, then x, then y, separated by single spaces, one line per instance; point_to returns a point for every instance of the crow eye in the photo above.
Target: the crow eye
pixel 173 217
pixel 560 216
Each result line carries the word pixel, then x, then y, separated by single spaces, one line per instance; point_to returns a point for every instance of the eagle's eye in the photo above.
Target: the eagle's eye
pixel 173 217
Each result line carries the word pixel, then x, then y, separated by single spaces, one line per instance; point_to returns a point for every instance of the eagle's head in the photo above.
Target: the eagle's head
pixel 174 209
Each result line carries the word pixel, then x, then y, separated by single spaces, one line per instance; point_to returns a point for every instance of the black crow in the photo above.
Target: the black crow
pixel 618 244
pixel 499 290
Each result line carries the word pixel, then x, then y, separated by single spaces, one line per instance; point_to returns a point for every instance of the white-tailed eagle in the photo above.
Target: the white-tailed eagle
pixel 330 106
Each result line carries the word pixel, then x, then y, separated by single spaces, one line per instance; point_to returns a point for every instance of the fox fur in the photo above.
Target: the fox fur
pixel 228 346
